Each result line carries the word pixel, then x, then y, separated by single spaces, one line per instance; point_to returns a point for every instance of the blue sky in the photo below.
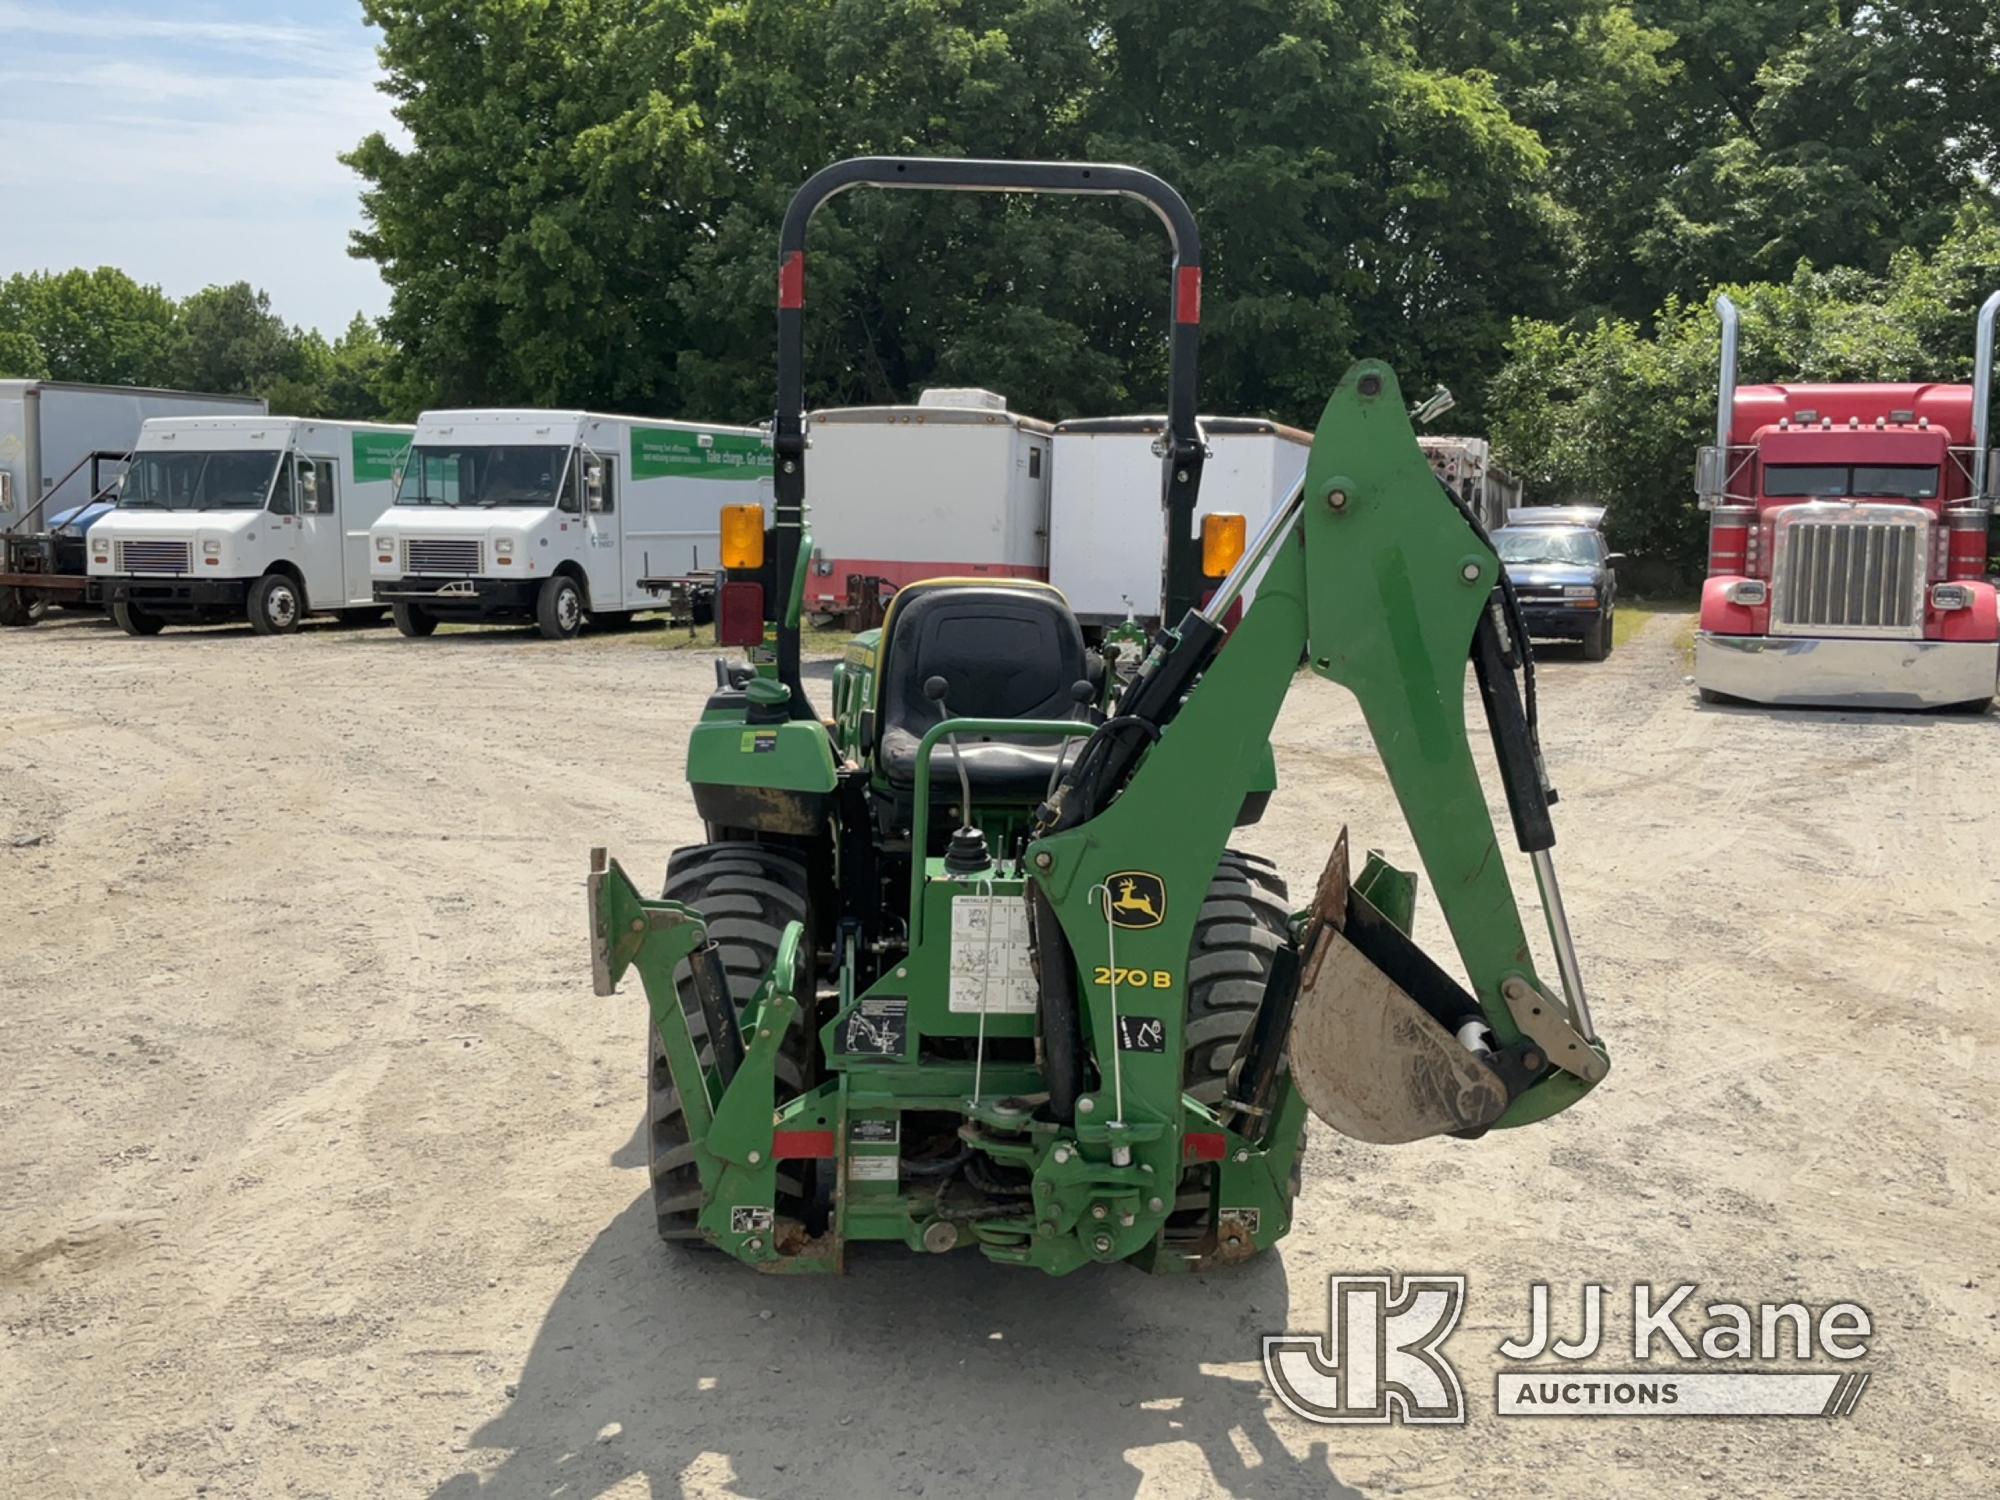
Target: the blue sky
pixel 190 142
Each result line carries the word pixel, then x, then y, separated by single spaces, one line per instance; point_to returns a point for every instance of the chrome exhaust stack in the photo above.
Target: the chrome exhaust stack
pixel 1982 401
pixel 1711 472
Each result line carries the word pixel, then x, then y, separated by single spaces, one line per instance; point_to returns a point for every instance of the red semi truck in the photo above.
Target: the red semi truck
pixel 1847 541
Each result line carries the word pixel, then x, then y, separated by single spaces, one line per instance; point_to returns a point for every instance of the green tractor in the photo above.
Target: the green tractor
pixel 968 963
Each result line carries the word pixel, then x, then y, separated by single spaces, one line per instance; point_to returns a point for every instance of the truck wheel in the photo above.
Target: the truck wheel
pixel 276 605
pixel 1597 639
pixel 135 621
pixel 21 606
pixel 559 608
pixel 748 892
pixel 1244 920
pixel 413 620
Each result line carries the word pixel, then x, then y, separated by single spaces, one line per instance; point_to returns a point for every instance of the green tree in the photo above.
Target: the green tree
pixel 229 340
pixel 96 325
pixel 21 356
pixel 1614 413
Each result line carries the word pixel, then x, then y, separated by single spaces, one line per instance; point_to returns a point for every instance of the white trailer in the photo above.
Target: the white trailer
pixel 1107 532
pixel 1466 465
pixel 62 445
pixel 550 516
pixel 954 486
pixel 257 518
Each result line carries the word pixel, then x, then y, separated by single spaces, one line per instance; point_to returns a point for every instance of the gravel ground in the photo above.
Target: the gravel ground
pixel 322 1170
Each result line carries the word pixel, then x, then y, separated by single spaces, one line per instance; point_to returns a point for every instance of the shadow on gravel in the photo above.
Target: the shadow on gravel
pixel 908 1376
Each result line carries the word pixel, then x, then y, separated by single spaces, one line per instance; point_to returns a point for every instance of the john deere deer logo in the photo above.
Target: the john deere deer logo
pixel 1137 899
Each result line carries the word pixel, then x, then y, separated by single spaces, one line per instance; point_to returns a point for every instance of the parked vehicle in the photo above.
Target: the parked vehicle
pixel 1847 540
pixel 262 519
pixel 955 485
pixel 1466 465
pixel 62 448
pixel 1106 524
pixel 1562 575
pixel 555 516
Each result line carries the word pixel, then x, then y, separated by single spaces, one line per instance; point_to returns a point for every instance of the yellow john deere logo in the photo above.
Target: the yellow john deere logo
pixel 1137 899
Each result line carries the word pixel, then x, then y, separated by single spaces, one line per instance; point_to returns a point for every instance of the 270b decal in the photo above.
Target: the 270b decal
pixel 1137 979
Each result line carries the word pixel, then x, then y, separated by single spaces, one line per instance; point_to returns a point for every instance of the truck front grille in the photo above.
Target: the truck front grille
pixel 154 557
pixel 440 555
pixel 1850 570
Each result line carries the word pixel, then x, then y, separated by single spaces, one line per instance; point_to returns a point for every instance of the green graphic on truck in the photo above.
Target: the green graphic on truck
pixel 663 452
pixel 377 455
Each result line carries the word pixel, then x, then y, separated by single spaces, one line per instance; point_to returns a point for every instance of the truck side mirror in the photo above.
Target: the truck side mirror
pixel 308 490
pixel 593 483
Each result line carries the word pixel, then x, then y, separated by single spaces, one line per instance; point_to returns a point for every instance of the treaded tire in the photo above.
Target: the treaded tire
pixel 21 606
pixel 134 620
pixel 1597 640
pixel 413 620
pixel 559 608
pixel 276 605
pixel 748 892
pixel 1245 919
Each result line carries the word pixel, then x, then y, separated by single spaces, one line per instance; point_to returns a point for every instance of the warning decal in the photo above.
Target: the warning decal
pixel 1142 1034
pixel 991 957
pixel 878 1027
pixel 748 1219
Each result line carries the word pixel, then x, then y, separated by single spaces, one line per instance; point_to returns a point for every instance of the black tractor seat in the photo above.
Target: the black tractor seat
pixel 1005 651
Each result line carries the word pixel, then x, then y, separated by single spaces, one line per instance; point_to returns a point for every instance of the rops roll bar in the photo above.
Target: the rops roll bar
pixel 1182 462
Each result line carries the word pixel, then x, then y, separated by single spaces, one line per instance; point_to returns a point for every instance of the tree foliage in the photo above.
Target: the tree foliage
pixel 1614 412
pixel 102 327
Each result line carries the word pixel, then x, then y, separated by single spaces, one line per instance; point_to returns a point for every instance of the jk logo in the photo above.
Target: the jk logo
pixel 1379 1360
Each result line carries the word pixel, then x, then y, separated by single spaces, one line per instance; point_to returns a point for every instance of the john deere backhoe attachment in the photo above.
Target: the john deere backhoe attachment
pixel 971 963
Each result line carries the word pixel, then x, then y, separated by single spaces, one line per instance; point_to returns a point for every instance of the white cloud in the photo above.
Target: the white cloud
pixel 202 151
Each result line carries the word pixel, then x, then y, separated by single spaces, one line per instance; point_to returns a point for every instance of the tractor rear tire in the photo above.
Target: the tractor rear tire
pixel 748 892
pixel 1244 920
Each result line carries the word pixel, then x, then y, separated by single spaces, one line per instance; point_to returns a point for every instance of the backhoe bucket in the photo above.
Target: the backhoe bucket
pixel 1368 1057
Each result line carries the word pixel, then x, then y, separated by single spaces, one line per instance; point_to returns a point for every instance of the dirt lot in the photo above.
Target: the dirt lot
pixel 322 1175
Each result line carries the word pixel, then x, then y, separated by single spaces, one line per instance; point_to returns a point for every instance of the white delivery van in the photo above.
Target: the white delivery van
pixel 228 518
pixel 1107 533
pixel 550 516
pixel 955 486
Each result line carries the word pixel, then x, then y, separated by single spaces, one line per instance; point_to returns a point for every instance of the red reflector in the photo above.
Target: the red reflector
pixel 792 280
pixel 739 615
pixel 802 1145
pixel 1204 1146
pixel 1187 295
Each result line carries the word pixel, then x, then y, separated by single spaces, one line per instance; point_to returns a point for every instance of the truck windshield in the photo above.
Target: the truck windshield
pixel 1546 544
pixel 482 475
pixel 1851 482
pixel 200 481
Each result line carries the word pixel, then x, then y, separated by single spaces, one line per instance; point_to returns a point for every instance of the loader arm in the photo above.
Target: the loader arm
pixel 1379 583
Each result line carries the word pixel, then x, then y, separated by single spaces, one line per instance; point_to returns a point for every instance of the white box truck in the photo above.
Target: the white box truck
pixel 954 486
pixel 62 445
pixel 1466 465
pixel 232 518
pixel 552 516
pixel 1107 532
